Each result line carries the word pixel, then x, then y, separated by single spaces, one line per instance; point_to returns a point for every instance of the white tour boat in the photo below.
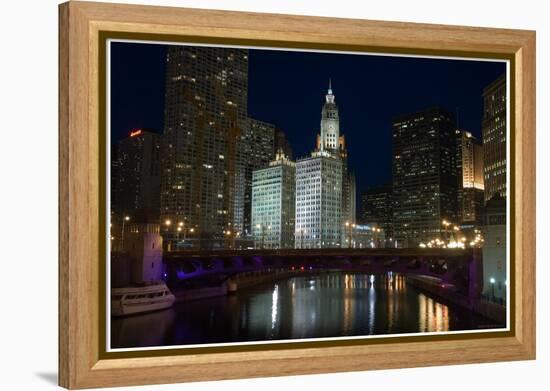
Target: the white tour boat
pixel 140 298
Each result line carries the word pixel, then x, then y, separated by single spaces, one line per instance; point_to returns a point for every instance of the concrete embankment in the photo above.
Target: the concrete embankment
pixel 487 309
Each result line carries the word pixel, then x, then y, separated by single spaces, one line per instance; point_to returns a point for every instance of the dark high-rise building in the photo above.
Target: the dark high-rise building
pixel 348 187
pixel 351 207
pixel 205 115
pixel 494 138
pixel 254 151
pixel 281 143
pixel 424 175
pixel 377 208
pixel 116 195
pixel 470 178
pixel 136 180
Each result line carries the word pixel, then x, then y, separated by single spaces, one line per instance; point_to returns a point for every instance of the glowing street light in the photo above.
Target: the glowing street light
pixel 350 226
pixel 124 220
pixel 168 223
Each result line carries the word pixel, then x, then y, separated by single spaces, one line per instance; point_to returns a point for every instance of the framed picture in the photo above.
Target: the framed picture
pixel 246 195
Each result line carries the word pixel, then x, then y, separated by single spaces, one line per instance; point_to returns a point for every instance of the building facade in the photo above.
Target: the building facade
pixel 470 191
pixel 254 151
pixel 205 115
pixel 424 175
pixel 494 138
pixel 367 236
pixel 135 180
pixel 330 140
pixel 319 201
pixel 274 204
pixel 494 249
pixel 377 209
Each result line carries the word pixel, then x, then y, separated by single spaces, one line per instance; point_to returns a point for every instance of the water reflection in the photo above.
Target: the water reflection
pixel 433 315
pixel 325 305
pixel 142 330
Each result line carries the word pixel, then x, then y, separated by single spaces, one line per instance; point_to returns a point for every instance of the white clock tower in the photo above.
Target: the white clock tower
pixel 330 123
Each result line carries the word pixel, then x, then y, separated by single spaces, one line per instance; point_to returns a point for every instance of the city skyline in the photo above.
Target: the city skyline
pixel 241 185
pixel 291 101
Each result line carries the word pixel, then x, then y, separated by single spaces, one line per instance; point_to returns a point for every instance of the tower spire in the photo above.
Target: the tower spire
pixel 329 96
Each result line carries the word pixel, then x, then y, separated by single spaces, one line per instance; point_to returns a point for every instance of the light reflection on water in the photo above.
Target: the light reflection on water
pixel 311 306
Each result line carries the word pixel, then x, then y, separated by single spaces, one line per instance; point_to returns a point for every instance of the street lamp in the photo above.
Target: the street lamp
pixel 234 239
pixel 492 281
pixel 376 236
pixel 456 229
pixel 350 227
pixel 168 223
pixel 124 220
pixel 181 228
pixel 446 225
pixel 178 236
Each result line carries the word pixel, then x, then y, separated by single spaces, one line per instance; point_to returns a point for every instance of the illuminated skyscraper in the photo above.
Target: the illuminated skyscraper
pixel 470 178
pixel 320 185
pixel 274 203
pixel 205 115
pixel 254 151
pixel 330 140
pixel 424 175
pixel 494 138
pixel 318 201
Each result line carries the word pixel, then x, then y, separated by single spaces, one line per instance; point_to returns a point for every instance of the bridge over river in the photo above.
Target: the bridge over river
pixel 460 269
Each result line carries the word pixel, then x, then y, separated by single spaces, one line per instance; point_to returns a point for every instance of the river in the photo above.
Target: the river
pixel 310 306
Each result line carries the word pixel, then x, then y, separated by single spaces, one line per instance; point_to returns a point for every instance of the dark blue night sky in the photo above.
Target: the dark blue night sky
pixel 288 88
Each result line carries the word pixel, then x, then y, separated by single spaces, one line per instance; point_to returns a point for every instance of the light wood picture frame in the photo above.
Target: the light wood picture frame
pixel 83 26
